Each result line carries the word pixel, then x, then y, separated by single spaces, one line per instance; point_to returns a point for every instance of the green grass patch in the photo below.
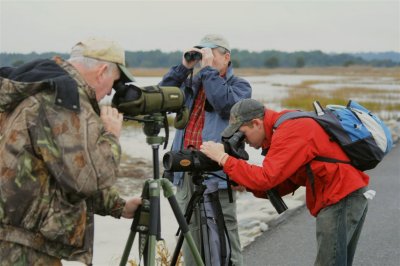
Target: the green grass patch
pixel 301 97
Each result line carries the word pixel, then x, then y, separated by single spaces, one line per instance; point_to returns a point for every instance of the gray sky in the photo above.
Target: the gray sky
pixel 296 25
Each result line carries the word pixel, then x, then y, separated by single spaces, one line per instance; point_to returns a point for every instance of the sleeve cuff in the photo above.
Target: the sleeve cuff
pixel 207 70
pixel 119 205
pixel 182 69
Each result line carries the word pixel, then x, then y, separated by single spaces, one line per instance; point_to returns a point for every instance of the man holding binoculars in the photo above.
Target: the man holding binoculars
pixel 209 95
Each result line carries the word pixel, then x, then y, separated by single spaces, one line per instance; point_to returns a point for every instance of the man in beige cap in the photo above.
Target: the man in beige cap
pixel 59 155
pixel 209 95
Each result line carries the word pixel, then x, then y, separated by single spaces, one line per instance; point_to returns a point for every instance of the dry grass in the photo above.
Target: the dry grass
pixel 393 72
pixel 163 257
pixel 149 72
pixel 329 71
pixel 301 97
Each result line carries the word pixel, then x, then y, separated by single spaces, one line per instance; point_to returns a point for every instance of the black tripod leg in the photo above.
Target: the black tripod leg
pixel 183 228
pixel 156 175
pixel 204 235
pixel 131 238
pixel 196 197
pixel 139 223
pixel 184 233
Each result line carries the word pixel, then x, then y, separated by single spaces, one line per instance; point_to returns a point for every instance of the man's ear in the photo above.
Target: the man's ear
pixel 227 57
pixel 257 122
pixel 102 70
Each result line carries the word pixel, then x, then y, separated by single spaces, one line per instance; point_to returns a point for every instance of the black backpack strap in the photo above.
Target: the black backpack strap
pixel 330 160
pixel 229 244
pixel 301 114
pixel 310 175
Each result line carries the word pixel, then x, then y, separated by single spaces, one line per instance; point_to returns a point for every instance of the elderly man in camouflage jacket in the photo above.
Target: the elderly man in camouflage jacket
pixel 59 155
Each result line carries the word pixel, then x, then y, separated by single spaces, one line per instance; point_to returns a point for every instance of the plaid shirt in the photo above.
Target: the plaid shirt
pixel 193 138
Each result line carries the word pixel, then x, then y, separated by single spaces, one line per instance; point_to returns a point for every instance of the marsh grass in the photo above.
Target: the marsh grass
pixel 163 256
pixel 301 97
pixel 393 72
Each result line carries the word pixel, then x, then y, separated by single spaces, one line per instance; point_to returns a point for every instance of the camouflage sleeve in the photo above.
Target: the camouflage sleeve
pixel 108 202
pixel 77 151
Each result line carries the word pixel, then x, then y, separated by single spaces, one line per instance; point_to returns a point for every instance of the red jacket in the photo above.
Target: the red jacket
pixel 294 144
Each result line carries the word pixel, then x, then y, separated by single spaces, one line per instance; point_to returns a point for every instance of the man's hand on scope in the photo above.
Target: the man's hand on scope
pixel 112 120
pixel 214 151
pixel 130 207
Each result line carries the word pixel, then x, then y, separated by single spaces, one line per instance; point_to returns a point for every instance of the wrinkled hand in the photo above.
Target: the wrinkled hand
pixel 213 150
pixel 112 120
pixel 130 207
pixel 207 57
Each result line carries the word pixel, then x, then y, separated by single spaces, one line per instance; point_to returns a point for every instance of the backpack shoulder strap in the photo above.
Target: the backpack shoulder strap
pixel 330 160
pixel 301 114
pixel 292 115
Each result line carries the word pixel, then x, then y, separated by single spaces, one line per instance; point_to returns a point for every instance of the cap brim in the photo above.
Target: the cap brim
pixel 206 45
pixel 126 75
pixel 231 129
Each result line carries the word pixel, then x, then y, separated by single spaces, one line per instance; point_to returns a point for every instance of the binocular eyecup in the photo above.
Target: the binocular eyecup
pixel 192 56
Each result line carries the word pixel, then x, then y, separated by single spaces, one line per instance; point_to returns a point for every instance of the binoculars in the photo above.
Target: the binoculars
pixel 192 56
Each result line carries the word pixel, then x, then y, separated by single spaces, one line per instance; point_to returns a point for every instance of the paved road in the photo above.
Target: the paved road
pixel 292 241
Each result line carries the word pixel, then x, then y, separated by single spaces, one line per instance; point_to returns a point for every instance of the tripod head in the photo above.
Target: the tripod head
pixel 198 177
pixel 152 125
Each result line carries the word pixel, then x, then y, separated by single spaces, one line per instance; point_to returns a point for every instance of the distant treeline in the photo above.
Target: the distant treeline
pixel 240 58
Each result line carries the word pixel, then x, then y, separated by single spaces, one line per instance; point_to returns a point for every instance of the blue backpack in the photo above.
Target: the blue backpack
pixel 362 135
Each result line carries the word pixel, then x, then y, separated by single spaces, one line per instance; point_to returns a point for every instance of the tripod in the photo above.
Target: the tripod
pixel 147 216
pixel 215 250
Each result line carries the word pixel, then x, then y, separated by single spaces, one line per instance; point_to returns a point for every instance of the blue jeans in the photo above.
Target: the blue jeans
pixel 338 230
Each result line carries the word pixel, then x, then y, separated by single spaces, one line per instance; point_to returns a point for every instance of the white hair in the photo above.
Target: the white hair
pixel 222 50
pixel 76 56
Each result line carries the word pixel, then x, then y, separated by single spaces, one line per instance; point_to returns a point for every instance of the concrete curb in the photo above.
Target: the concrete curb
pixel 284 216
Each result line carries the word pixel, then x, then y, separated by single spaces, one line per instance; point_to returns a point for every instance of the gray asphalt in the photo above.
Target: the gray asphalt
pixel 291 240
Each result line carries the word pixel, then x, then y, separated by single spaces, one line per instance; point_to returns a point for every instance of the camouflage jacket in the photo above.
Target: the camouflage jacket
pixel 57 168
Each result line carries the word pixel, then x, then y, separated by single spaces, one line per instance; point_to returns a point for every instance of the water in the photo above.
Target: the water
pixel 273 88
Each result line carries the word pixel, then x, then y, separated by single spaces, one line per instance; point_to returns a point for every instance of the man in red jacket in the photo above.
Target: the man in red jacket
pixel 336 194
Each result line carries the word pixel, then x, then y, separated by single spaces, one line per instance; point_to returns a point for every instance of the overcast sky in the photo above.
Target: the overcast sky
pixel 297 25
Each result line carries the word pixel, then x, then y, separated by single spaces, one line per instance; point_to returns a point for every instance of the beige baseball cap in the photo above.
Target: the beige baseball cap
pixel 105 50
pixel 214 41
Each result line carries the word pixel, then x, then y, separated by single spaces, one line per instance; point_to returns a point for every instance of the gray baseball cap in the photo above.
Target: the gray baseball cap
pixel 242 112
pixel 214 41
